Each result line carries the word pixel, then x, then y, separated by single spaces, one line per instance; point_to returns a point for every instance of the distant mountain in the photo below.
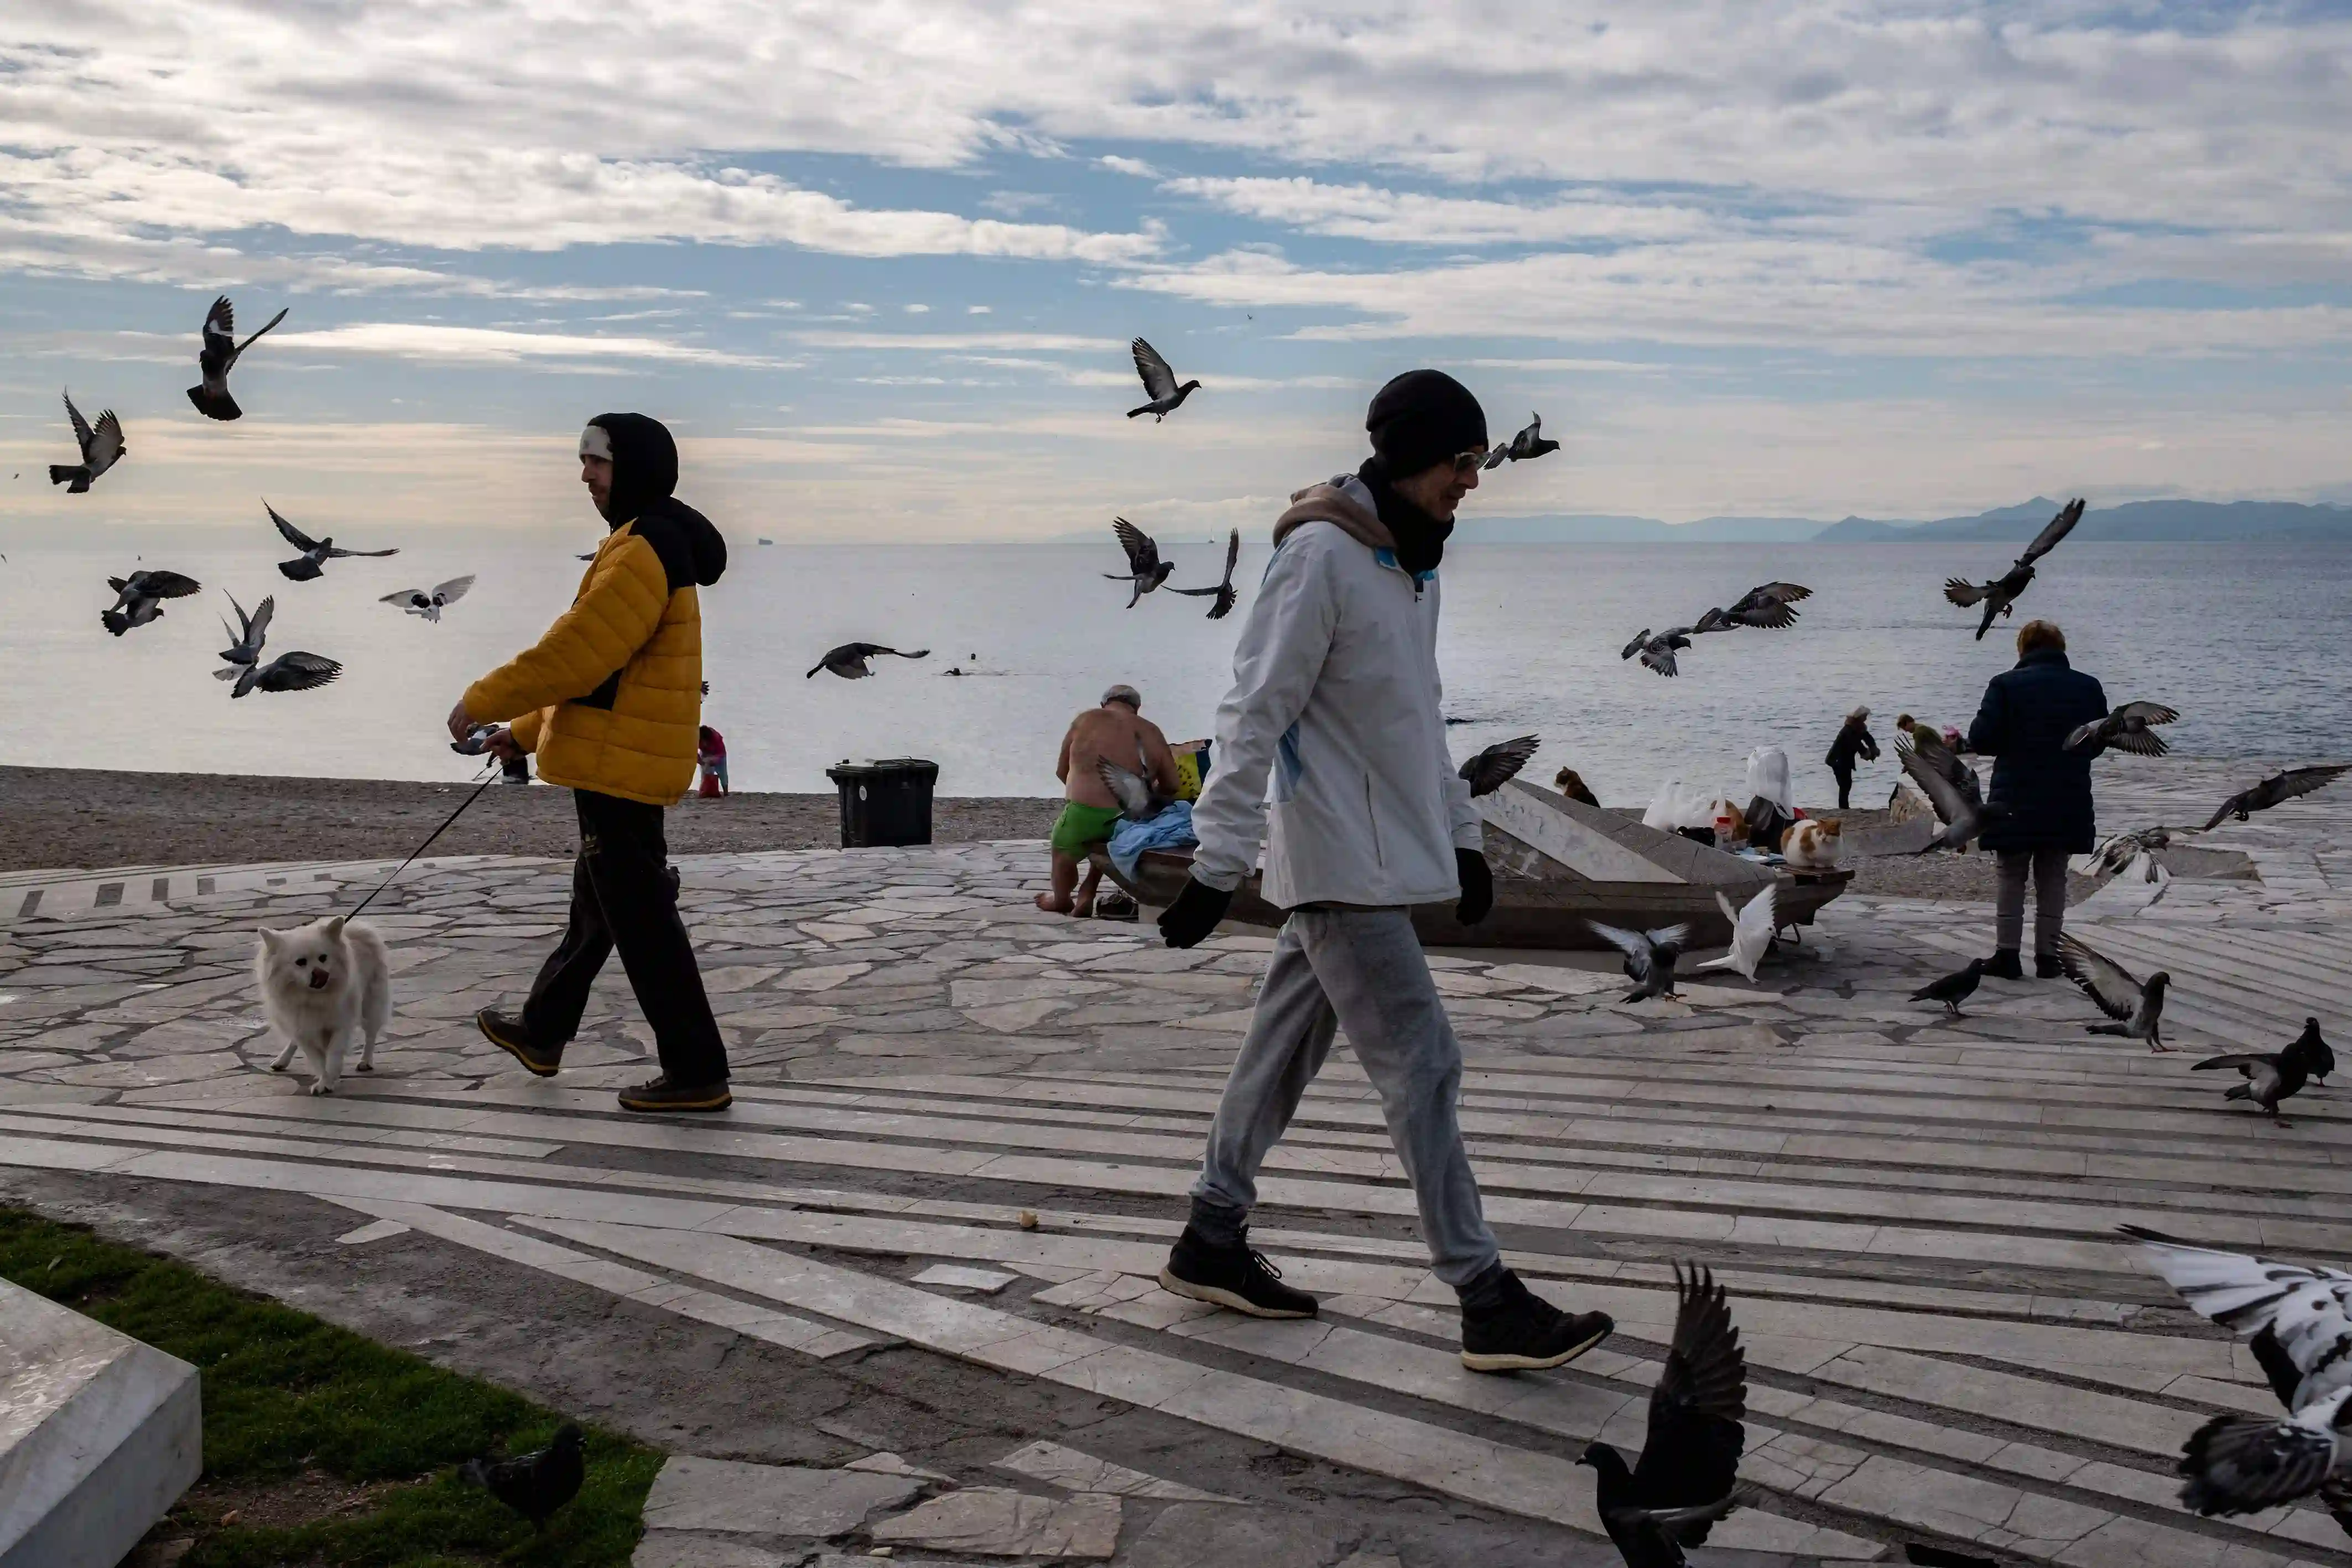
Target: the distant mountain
pixel 2180 521
pixel 1607 529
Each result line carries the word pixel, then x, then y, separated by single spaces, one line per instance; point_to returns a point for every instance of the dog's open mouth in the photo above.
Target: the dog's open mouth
pixel 318 980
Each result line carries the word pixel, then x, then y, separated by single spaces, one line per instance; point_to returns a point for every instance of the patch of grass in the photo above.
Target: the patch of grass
pixel 293 1405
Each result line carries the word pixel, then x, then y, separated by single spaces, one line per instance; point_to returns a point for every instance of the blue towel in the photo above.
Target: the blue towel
pixel 1172 829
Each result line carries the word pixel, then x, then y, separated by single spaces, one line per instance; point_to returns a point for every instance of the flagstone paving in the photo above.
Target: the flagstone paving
pixel 963 1131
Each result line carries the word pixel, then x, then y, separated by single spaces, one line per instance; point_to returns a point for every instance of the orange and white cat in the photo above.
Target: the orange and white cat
pixel 1812 844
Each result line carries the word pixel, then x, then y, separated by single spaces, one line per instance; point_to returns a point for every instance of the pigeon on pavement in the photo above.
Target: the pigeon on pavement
pixel 308 565
pixel 2124 848
pixel 294 672
pixel 2125 729
pixel 139 598
pixel 1494 768
pixel 1224 592
pixel 2297 1321
pixel 243 651
pixel 1158 383
pixel 848 661
pixel 2271 1077
pixel 1999 595
pixel 429 602
pixel 1145 569
pixel 1954 989
pixel 1528 444
pixel 220 351
pixel 2278 786
pixel 1751 931
pixel 1658 653
pixel 1765 606
pixel 535 1484
pixel 2136 1007
pixel 1685 1478
pixel 1649 956
pixel 1951 788
pixel 101 449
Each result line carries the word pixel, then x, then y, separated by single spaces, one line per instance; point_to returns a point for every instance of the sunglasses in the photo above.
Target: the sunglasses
pixel 1469 462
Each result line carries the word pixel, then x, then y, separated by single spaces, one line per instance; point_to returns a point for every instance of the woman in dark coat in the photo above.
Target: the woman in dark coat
pixel 1854 740
pixel 2041 799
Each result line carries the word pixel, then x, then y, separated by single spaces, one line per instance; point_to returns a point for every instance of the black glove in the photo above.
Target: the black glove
pixel 1194 915
pixel 1477 887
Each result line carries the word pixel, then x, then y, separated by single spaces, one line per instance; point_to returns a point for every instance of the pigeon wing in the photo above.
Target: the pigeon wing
pixel 257 629
pixel 299 673
pixel 1159 380
pixel 2055 530
pixel 82 434
pixel 2090 733
pixel 1142 550
pixel 220 328
pixel 2105 982
pixel 2307 1310
pixel 106 445
pixel 1633 944
pixel 169 585
pixel 1658 656
pixel 454 589
pixel 917 653
pixel 335 552
pixel 404 597
pixel 2146 713
pixel 1670 939
pixel 1494 768
pixel 1941 792
pixel 266 326
pixel 292 535
pixel 2234 803
pixel 1232 554
pixel 1691 1458
pixel 1496 458
pixel 2237 1466
pixel 2139 743
pixel 1751 929
pixel 1962 592
pixel 2303 780
pixel 1134 796
pixel 1635 646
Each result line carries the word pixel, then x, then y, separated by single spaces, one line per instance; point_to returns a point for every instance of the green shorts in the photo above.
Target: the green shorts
pixel 1079 826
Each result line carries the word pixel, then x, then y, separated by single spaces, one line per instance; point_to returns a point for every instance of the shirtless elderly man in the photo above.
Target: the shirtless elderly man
pixel 1115 731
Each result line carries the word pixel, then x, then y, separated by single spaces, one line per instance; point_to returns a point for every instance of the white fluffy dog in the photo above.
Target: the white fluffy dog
pixel 320 983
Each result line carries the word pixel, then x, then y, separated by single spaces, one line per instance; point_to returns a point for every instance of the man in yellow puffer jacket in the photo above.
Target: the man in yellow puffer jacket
pixel 611 699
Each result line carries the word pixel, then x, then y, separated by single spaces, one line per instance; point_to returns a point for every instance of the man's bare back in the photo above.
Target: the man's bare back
pixel 1115 732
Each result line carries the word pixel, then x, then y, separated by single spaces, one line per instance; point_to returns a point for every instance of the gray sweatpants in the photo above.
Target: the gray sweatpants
pixel 1360 971
pixel 2049 869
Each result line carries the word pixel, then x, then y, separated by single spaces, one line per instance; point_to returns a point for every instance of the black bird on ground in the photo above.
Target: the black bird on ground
pixel 309 565
pixel 101 449
pixel 220 351
pixel 1687 1476
pixel 848 661
pixel 1954 989
pixel 1145 569
pixel 1649 956
pixel 2000 596
pixel 1224 592
pixel 139 598
pixel 2137 1006
pixel 1158 383
pixel 2271 1077
pixel 1658 653
pixel 535 1484
pixel 294 672
pixel 1528 444
pixel 246 638
pixel 1764 607
pixel 1495 767
pixel 1950 785
pixel 2125 728
pixel 2297 1321
pixel 2276 789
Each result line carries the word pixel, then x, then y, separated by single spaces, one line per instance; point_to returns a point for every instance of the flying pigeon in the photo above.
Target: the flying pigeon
pixel 243 651
pixel 1137 800
pixel 1751 932
pixel 1649 956
pixel 1158 383
pixel 2124 848
pixel 1683 1481
pixel 535 1484
pixel 848 661
pixel 100 449
pixel 1527 444
pixel 1224 592
pixel 429 602
pixel 2137 1008
pixel 139 598
pixel 2271 1077
pixel 2125 729
pixel 1658 653
pixel 2297 1321
pixel 1766 606
pixel 2278 786
pixel 1954 989
pixel 220 351
pixel 295 672
pixel 308 565
pixel 1999 595
pixel 1494 768
pixel 1950 785
pixel 1145 569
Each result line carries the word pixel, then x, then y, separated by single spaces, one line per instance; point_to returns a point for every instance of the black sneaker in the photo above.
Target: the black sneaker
pixel 2004 965
pixel 661 1094
pixel 2048 967
pixel 1524 1332
pixel 507 1035
pixel 1237 1276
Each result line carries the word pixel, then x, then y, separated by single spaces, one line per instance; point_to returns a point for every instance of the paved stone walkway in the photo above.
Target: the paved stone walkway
pixel 963 1130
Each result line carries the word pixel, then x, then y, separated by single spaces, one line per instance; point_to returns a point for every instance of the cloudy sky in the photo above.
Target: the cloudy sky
pixel 878 263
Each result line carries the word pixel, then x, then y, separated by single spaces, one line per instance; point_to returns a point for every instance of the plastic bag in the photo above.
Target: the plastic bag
pixel 1768 776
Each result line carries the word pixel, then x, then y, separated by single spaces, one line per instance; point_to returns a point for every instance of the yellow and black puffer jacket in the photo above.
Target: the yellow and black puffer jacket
pixel 611 698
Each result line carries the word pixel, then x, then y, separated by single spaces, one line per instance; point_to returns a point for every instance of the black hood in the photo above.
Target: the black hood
pixel 644 472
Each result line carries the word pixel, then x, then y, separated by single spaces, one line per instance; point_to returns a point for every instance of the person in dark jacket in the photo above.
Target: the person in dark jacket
pixel 2041 799
pixel 1854 740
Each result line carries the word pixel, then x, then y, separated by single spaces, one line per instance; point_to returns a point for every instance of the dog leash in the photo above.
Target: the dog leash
pixel 491 779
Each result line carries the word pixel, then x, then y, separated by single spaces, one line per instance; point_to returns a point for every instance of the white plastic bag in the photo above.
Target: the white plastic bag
pixel 1768 774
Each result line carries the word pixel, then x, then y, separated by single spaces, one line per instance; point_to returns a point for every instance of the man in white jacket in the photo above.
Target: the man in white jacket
pixel 1336 703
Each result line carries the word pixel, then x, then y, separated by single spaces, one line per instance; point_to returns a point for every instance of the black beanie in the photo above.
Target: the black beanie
pixel 1423 417
pixel 644 463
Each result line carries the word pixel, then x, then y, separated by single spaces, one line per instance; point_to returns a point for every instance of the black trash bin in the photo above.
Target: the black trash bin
pixel 885 802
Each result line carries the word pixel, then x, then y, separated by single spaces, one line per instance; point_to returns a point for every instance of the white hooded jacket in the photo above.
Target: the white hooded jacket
pixel 1336 697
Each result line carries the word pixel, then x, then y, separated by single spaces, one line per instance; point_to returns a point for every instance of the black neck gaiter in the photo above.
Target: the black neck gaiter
pixel 1420 537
